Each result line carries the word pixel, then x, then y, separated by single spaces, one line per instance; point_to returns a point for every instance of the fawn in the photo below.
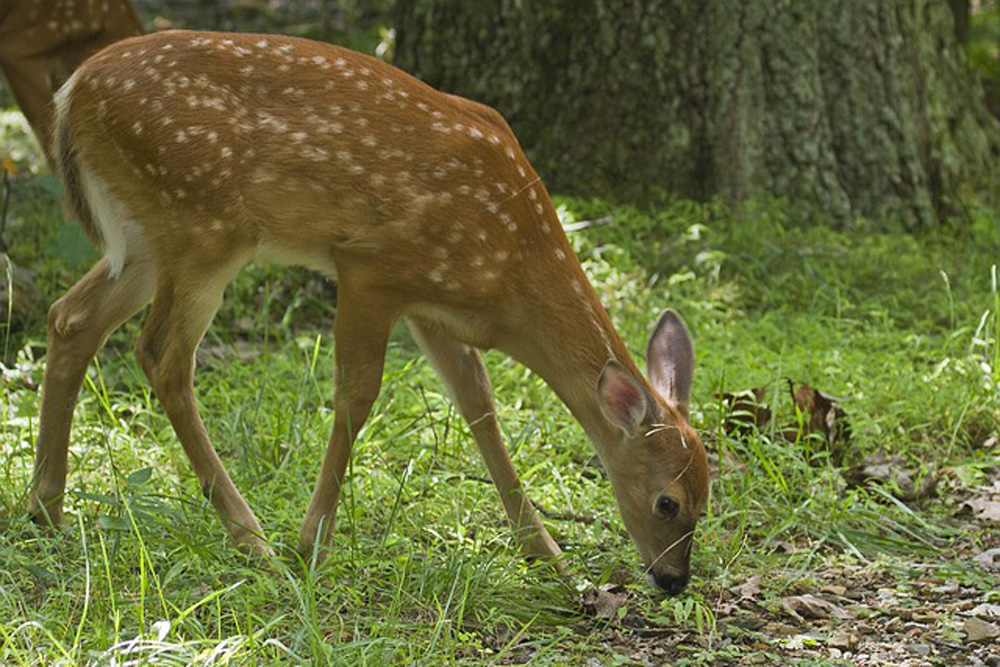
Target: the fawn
pixel 188 155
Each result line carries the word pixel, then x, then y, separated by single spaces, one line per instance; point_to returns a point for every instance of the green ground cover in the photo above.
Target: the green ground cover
pixel 426 570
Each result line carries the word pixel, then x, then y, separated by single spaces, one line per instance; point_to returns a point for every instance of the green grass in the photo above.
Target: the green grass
pixel 426 569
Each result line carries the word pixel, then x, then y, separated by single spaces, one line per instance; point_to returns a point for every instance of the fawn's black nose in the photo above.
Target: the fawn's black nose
pixel 668 583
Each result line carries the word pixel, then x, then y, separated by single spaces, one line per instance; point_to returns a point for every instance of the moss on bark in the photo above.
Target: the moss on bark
pixel 854 107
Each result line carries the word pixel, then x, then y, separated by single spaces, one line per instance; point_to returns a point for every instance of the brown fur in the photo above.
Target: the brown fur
pixel 43 41
pixel 202 152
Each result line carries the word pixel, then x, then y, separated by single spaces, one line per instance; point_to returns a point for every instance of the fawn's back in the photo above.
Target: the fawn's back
pixel 294 151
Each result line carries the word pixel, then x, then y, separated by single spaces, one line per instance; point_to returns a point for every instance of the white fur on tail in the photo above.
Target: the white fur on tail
pixel 109 215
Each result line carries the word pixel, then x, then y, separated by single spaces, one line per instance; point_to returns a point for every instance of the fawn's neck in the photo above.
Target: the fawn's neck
pixel 574 339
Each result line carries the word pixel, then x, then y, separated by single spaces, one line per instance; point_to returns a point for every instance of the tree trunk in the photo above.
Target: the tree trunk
pixel 851 107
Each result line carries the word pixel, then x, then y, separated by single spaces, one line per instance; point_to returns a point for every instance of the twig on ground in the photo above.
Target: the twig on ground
pixel 583 224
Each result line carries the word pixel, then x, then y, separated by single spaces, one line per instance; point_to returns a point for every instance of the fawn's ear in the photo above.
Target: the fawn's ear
pixel 623 400
pixel 670 360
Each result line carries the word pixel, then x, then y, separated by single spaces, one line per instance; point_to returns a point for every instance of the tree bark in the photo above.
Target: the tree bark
pixel 850 107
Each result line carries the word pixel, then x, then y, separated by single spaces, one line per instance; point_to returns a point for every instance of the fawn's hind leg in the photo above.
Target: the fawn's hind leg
pixel 187 296
pixel 78 325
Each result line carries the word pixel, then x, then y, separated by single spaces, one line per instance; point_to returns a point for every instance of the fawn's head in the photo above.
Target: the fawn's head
pixel 661 475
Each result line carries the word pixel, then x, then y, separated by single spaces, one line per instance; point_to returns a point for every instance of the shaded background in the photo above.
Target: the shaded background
pixel 872 109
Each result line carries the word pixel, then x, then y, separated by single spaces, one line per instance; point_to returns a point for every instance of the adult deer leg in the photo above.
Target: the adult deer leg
pixel 462 370
pixel 361 330
pixel 178 318
pixel 78 325
pixel 29 81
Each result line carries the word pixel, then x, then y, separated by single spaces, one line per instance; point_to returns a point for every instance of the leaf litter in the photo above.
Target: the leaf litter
pixel 941 607
pixel 886 611
pixel 819 417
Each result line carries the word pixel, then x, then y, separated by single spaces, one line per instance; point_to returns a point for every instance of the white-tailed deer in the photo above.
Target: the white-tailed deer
pixel 42 41
pixel 188 155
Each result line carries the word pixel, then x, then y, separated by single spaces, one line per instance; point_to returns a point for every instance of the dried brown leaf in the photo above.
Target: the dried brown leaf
pixel 825 417
pixel 985 504
pixel 990 560
pixel 747 411
pixel 808 606
pixel 986 610
pixel 882 468
pixel 748 590
pixel 604 601
pixel 984 510
pixel 842 639
pixel 977 630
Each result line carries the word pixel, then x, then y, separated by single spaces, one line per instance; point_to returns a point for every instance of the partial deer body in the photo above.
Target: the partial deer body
pixel 44 41
pixel 188 155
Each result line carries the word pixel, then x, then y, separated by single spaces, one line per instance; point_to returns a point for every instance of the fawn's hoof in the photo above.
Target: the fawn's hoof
pixel 260 549
pixel 253 544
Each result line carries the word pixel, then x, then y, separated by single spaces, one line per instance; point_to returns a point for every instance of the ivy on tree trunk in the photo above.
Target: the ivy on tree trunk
pixel 850 107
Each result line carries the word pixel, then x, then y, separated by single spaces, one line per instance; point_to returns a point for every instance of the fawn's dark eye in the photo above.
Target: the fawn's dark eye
pixel 667 507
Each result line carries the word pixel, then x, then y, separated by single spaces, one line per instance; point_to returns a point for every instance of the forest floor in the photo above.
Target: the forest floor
pixel 858 530
pixel 891 611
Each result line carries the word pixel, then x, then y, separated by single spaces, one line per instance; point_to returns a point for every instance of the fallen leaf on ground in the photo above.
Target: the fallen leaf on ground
pixel 990 560
pixel 986 610
pixel 842 639
pixel 825 417
pixel 747 411
pixel 977 630
pixel 782 546
pixel 817 414
pixel 808 606
pixel 985 505
pixel 882 468
pixel 748 590
pixel 604 601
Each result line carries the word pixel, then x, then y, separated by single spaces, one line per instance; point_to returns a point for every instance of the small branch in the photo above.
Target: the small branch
pixel 583 224
pixel 476 478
